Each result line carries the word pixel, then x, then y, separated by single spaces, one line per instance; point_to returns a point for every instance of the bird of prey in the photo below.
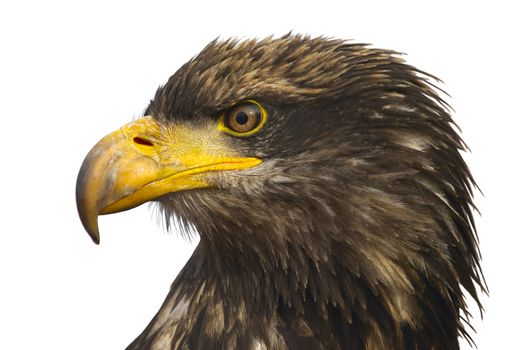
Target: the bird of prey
pixel 325 180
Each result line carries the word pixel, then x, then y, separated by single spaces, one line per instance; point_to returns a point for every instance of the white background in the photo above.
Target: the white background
pixel 71 72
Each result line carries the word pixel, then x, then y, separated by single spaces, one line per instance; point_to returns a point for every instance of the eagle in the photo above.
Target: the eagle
pixel 325 180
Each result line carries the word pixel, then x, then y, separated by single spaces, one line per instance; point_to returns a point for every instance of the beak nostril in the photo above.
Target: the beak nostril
pixel 141 141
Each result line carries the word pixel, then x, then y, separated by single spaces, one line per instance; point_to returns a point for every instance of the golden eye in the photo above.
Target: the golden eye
pixel 243 119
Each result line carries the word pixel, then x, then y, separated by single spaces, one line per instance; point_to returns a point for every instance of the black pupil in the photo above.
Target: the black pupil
pixel 241 118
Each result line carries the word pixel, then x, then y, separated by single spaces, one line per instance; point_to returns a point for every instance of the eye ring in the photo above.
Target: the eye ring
pixel 243 119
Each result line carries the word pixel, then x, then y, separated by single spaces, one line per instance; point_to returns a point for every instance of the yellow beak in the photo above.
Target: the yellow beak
pixel 129 167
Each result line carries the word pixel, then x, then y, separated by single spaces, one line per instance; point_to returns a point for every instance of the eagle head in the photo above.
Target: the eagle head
pixel 325 181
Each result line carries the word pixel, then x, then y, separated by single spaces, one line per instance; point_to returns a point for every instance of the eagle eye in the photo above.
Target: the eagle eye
pixel 243 119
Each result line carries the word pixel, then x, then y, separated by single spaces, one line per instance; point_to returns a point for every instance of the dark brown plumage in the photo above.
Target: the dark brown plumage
pixel 356 230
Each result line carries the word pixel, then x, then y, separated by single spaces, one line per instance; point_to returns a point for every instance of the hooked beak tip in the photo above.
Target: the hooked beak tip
pixel 95 237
